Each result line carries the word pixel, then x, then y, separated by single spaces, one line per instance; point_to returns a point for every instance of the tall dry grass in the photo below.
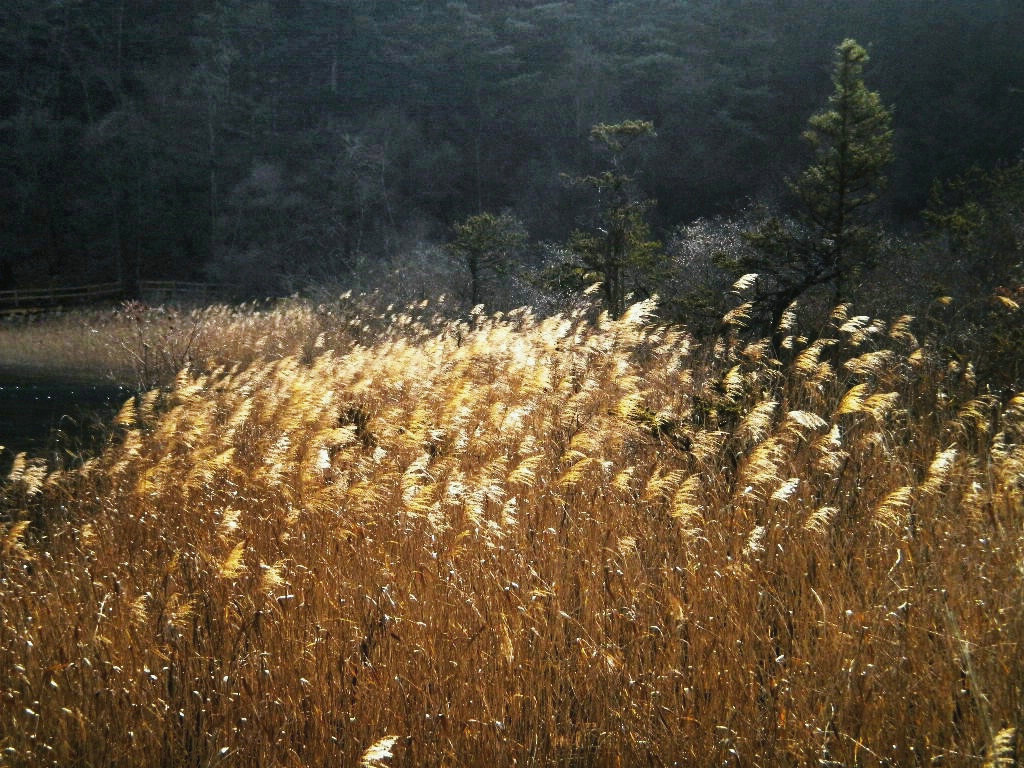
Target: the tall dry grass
pixel 143 346
pixel 516 541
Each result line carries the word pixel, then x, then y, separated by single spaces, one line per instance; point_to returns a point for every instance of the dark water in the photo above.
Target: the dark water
pixel 53 417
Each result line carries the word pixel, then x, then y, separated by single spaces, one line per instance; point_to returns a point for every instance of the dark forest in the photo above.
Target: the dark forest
pixel 274 144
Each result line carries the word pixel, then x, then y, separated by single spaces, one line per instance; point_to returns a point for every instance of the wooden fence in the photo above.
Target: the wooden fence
pixel 32 300
pixel 27 300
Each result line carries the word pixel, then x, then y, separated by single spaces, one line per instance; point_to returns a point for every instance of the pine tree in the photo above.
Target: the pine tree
pixel 486 244
pixel 829 237
pixel 618 251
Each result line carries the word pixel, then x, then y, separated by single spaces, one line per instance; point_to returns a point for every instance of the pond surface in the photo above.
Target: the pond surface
pixel 52 415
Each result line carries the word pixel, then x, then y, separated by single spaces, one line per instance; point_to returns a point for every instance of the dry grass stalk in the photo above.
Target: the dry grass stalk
pixel 524 541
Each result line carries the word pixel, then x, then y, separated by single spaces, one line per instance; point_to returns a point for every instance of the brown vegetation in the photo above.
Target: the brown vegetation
pixel 515 541
pixel 145 346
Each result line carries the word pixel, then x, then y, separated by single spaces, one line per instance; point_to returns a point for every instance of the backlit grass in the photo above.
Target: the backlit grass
pixel 524 541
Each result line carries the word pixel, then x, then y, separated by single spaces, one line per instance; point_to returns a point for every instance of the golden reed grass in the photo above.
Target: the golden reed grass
pixel 521 541
pixel 144 346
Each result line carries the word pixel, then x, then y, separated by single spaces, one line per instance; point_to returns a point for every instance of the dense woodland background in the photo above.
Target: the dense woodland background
pixel 274 143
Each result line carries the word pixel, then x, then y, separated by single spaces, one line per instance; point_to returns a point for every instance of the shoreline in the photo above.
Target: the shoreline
pixel 47 413
pixel 30 374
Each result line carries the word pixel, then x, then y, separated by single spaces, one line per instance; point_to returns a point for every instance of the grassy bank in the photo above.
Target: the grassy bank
pixel 144 346
pixel 517 541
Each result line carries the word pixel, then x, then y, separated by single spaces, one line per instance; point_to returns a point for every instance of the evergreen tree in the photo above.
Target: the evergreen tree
pixel 618 251
pixel 978 219
pixel 974 259
pixel 485 244
pixel 830 237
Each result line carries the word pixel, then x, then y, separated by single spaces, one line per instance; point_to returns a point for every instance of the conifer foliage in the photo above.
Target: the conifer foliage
pixel 619 250
pixel 485 244
pixel 829 237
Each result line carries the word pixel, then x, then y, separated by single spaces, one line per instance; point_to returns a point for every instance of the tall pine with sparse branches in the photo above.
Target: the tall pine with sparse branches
pixel 829 238
pixel 618 251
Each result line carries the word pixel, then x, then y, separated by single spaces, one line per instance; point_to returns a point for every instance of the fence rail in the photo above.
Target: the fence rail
pixel 31 300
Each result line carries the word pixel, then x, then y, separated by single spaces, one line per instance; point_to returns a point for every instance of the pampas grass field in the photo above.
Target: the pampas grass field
pixel 145 346
pixel 343 537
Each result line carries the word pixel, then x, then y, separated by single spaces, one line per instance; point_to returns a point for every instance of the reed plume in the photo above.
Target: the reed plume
pixel 524 540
